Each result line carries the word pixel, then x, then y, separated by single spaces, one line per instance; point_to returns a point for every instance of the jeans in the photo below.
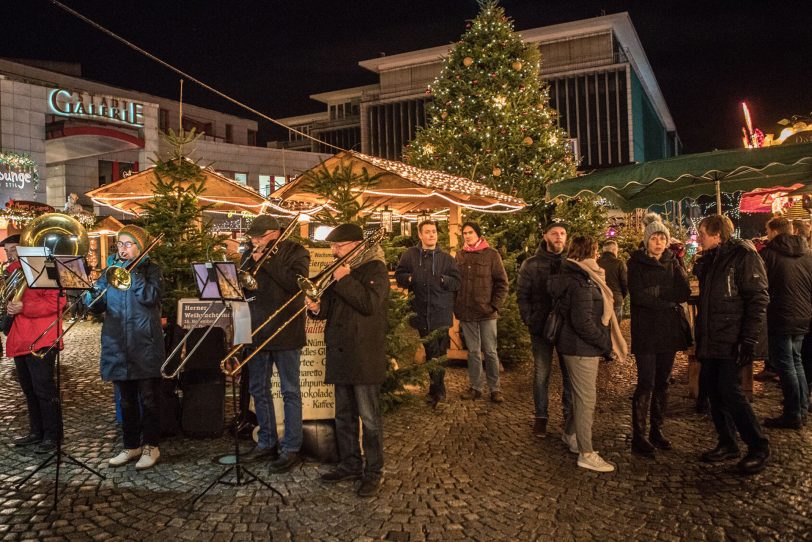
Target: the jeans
pixel 785 355
pixel 729 407
pixel 140 411
pixel 436 348
pixel 584 377
pixel 353 402
pixel 653 372
pixel 806 355
pixel 480 337
pixel 260 369
pixel 36 378
pixel 542 366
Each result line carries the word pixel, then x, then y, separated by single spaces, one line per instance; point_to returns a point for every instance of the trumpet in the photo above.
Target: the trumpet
pixel 249 268
pixel 118 277
pixel 312 288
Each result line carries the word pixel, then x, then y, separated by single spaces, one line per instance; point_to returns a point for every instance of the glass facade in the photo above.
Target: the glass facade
pixel 392 125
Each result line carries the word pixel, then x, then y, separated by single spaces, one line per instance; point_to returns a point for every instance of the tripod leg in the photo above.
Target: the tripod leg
pixel 32 473
pixel 254 477
pixel 83 465
pixel 211 485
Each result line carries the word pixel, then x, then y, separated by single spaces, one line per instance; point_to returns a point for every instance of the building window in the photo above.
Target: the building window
pixel 229 133
pixel 252 138
pixel 241 178
pixel 265 185
pixel 279 181
pixel 113 170
pixel 163 120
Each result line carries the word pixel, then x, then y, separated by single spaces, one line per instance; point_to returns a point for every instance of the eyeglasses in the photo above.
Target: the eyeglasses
pixel 124 244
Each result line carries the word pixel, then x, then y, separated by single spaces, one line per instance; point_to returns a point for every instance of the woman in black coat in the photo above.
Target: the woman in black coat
pixel 657 286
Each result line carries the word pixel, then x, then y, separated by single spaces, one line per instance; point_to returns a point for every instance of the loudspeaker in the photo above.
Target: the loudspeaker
pixel 203 405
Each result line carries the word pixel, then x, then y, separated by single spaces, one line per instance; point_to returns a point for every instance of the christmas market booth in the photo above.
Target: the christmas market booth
pixel 403 195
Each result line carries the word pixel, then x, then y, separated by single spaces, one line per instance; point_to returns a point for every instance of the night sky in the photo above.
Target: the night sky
pixel 707 56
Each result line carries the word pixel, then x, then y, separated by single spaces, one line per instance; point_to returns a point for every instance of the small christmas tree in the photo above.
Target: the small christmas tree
pixel 490 119
pixel 175 211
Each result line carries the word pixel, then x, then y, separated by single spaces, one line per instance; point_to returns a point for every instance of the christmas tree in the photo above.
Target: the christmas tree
pixel 490 119
pixel 175 211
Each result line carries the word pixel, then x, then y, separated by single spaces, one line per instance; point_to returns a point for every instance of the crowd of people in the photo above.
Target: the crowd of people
pixel 570 299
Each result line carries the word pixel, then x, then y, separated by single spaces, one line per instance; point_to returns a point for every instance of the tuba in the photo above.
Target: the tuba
pixel 60 234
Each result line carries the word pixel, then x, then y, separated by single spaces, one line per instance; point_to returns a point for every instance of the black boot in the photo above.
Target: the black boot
pixel 640 444
pixel 659 402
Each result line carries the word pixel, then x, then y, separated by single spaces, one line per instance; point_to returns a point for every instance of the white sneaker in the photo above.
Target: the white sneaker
pixel 149 457
pixel 124 457
pixel 592 461
pixel 571 441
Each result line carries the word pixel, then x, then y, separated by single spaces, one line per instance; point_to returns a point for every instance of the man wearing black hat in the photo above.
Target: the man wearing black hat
pixel 535 305
pixel 355 334
pixel 277 281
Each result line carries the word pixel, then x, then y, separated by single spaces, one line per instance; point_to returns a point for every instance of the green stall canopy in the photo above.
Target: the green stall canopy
pixel 693 175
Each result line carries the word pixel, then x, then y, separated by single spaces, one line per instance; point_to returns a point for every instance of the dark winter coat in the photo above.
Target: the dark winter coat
pixel 355 309
pixel 616 276
pixel 277 283
pixel 656 289
pixel 733 299
pixel 433 277
pixel 789 272
pixel 583 333
pixel 531 289
pixel 132 342
pixel 484 285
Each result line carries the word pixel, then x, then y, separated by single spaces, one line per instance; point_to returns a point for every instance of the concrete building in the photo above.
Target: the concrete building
pixel 81 134
pixel 600 81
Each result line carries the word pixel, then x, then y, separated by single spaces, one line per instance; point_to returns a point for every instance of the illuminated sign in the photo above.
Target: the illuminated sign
pixel 83 105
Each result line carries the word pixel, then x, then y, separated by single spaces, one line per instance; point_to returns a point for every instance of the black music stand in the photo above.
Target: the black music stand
pixel 47 272
pixel 218 281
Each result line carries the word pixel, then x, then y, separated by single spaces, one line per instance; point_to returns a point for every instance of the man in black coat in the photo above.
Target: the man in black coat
pixel 534 307
pixel 731 310
pixel 277 282
pixel 355 308
pixel 616 275
pixel 789 270
pixel 431 275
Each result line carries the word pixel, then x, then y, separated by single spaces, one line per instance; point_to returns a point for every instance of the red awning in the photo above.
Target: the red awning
pixel 767 200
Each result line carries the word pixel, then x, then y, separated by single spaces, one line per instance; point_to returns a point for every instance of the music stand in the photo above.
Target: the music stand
pixel 217 281
pixel 43 271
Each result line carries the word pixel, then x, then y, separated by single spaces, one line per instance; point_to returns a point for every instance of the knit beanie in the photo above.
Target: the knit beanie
pixel 139 235
pixel 654 224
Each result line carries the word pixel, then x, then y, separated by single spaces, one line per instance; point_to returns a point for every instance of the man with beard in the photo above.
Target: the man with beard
pixel 535 305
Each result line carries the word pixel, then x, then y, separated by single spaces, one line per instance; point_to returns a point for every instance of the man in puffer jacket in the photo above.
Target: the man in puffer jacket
pixel 732 304
pixel 789 270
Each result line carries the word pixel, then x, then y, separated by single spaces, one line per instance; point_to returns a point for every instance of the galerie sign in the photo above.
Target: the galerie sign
pixel 83 105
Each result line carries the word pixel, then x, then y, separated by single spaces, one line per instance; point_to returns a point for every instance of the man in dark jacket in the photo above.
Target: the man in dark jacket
pixel 534 307
pixel 616 275
pixel 483 289
pixel 277 282
pixel 789 271
pixel 355 309
pixel 731 310
pixel 431 275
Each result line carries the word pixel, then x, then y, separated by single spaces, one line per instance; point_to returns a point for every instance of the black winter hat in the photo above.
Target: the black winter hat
pixel 345 232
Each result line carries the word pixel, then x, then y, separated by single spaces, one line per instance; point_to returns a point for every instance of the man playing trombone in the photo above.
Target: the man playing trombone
pixel 31 315
pixel 132 347
pixel 355 309
pixel 276 283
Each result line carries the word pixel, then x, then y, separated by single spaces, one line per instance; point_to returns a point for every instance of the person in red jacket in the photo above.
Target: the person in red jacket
pixel 32 314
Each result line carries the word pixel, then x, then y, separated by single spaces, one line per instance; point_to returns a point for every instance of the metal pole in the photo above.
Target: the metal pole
pixel 718 198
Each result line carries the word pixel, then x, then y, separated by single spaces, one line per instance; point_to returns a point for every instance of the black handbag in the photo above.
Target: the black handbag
pixel 554 323
pixel 684 325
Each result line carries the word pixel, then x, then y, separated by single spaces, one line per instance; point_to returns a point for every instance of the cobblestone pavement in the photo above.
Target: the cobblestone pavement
pixel 469 471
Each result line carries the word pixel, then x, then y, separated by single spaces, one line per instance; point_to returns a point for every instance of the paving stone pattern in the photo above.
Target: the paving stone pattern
pixel 468 471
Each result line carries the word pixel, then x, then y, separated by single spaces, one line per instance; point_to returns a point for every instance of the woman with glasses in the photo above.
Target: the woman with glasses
pixel 132 349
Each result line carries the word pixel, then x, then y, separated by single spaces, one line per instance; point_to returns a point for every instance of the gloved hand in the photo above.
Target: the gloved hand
pixel 747 350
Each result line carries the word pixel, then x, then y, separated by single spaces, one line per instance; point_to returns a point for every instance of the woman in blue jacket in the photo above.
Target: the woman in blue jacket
pixel 132 349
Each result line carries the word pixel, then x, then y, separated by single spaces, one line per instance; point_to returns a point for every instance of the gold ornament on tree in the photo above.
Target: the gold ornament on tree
pixel 496 172
pixel 517 66
pixel 467 61
pixel 527 141
pixel 443 115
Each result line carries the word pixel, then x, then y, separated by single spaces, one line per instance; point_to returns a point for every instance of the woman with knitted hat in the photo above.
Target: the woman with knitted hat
pixel 657 286
pixel 132 349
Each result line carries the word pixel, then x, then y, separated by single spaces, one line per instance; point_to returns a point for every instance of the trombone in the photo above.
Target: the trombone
pixel 313 288
pixel 247 279
pixel 119 278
